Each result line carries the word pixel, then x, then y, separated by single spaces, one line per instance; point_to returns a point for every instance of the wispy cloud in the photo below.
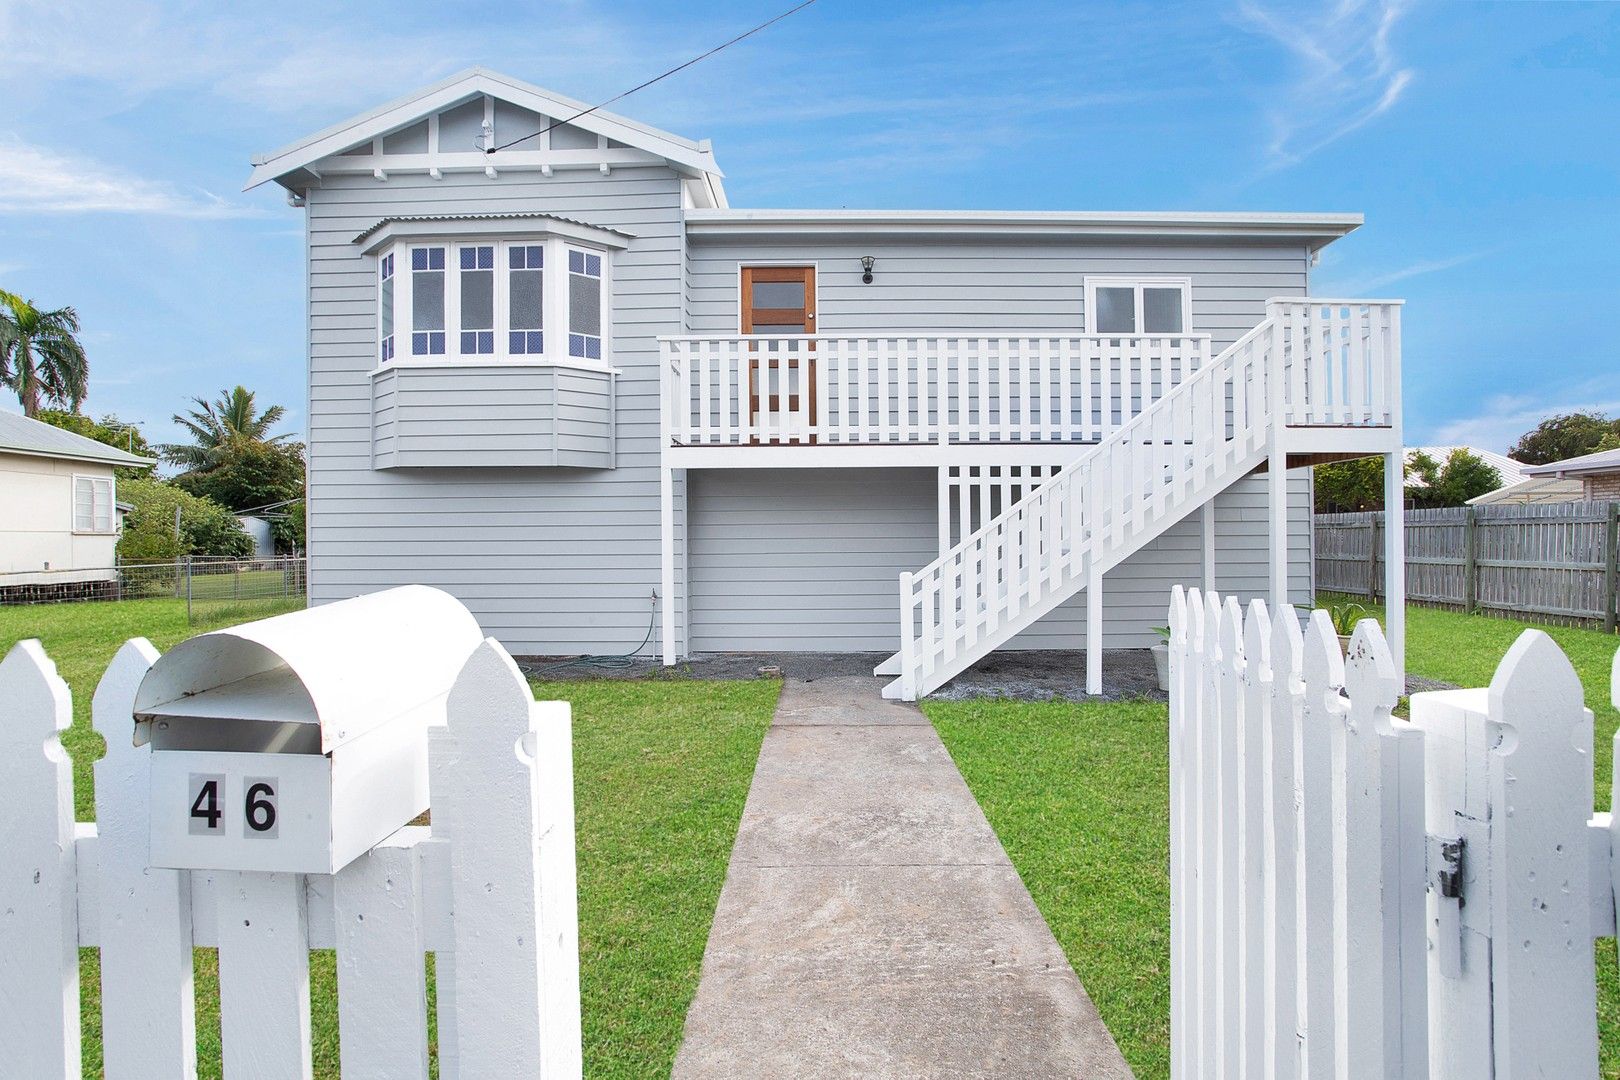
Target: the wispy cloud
pixel 40 181
pixel 1348 75
pixel 1505 417
pixel 1365 286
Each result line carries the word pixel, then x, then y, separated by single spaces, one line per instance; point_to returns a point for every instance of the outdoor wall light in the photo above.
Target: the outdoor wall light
pixel 866 268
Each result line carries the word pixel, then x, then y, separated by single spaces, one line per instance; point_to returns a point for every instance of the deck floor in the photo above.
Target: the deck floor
pixel 871 924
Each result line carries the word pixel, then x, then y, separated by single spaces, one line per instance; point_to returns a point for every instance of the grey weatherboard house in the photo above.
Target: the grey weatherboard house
pixel 568 383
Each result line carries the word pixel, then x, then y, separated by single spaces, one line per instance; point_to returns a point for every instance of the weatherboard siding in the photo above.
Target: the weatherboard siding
pixel 551 560
pixel 809 560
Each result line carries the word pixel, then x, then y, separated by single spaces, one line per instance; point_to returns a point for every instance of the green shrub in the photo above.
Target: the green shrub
pixel 206 528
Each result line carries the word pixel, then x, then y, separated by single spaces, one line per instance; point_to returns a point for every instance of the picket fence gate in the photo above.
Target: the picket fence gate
pixel 488 889
pixel 1354 895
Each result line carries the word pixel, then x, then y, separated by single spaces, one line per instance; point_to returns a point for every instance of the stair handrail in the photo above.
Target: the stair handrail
pixel 1064 476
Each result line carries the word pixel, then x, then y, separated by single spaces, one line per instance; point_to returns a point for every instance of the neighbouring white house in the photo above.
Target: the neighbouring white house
pixel 1597 474
pixel 59 509
pixel 554 372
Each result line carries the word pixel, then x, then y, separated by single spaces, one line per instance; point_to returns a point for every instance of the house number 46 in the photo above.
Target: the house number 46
pixel 208 805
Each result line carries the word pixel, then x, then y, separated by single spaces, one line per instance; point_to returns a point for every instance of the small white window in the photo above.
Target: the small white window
pixel 1138 305
pixel 478 300
pixel 526 292
pixel 93 504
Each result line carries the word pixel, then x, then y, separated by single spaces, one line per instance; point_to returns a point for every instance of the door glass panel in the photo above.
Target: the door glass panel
pixel 1161 311
pixel 1116 310
pixel 778 294
pixel 778 328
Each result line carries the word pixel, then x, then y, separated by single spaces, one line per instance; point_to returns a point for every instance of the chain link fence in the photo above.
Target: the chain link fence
pixel 211 588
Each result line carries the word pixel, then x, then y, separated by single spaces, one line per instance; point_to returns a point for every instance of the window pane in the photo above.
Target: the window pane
pixel 427 300
pixel 1161 310
pixel 1116 310
pixel 778 294
pixel 584 305
pixel 527 287
pixel 477 299
pixel 388 307
pixel 778 328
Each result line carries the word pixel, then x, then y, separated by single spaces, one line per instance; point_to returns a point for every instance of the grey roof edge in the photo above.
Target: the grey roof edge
pixel 1323 227
pixel 35 438
pixel 514 215
pixel 1597 462
pixel 696 155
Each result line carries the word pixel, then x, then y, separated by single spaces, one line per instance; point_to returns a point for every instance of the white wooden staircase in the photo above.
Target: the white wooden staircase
pixel 1315 373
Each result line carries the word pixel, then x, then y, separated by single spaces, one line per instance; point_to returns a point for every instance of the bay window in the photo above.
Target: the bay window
pixel 484 299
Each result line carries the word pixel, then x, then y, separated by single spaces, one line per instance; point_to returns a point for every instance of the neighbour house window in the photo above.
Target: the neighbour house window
pixel 1138 305
pixel 493 301
pixel 387 315
pixel 93 504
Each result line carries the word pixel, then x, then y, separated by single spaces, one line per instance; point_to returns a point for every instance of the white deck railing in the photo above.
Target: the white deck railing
pixel 1342 359
pixel 738 390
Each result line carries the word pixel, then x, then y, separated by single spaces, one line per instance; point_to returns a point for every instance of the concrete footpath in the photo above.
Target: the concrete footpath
pixel 871 924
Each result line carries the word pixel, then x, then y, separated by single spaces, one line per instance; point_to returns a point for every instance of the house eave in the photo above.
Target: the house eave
pixel 1314 230
pixel 127 461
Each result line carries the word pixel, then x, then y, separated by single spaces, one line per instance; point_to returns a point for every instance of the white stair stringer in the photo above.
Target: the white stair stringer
pixel 1180 452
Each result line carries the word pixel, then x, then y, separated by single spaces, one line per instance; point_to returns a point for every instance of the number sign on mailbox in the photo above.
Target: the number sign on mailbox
pixel 297 743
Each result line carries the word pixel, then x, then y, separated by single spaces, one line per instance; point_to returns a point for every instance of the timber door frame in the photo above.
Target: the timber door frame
pixel 749 316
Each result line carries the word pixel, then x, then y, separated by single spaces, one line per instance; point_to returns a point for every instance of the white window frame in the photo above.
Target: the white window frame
pixel 112 505
pixel 554 299
pixel 1092 284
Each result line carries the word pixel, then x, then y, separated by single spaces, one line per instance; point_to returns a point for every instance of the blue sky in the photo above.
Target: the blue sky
pixel 1479 140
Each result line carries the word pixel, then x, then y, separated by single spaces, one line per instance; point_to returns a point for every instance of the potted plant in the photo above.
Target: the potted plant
pixel 1344 615
pixel 1161 656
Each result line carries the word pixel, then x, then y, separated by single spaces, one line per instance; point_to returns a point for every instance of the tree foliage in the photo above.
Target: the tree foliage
pixel 219 426
pixel 206 527
pixel 109 430
pixel 1565 436
pixel 1359 484
pixel 287 527
pixel 249 475
pixel 41 358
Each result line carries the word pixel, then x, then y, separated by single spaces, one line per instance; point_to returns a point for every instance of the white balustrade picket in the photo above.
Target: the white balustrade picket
pixel 1358 896
pixel 488 890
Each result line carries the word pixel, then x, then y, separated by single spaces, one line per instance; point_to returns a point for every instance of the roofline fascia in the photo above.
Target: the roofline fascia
pixel 1318 229
pixel 133 462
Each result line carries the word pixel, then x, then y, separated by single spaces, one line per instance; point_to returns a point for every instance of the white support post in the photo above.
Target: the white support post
pixel 1094 626
pixel 1395 560
pixel 666 533
pixel 1277 517
pixel 1206 525
pixel 945 510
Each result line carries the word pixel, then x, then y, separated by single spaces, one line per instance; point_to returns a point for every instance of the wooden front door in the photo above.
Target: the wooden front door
pixel 781 373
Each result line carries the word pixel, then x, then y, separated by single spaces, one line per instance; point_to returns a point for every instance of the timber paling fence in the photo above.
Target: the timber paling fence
pixel 1556 562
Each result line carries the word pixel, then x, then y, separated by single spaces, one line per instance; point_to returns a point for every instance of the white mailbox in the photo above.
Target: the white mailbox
pixel 297 743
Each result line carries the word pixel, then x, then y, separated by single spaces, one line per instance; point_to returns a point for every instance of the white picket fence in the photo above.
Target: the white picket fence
pixel 488 889
pixel 1355 895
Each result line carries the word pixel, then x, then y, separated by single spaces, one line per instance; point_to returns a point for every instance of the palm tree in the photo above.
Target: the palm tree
pixel 217 426
pixel 40 355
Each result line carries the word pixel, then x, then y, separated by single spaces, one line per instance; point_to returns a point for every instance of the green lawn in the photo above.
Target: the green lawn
pixel 1078 794
pixel 661 770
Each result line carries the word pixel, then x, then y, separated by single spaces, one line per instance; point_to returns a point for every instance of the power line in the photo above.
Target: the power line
pixel 602 105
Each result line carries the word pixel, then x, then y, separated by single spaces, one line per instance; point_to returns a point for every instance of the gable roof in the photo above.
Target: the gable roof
pixel 35 438
pixel 1601 462
pixel 684 155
